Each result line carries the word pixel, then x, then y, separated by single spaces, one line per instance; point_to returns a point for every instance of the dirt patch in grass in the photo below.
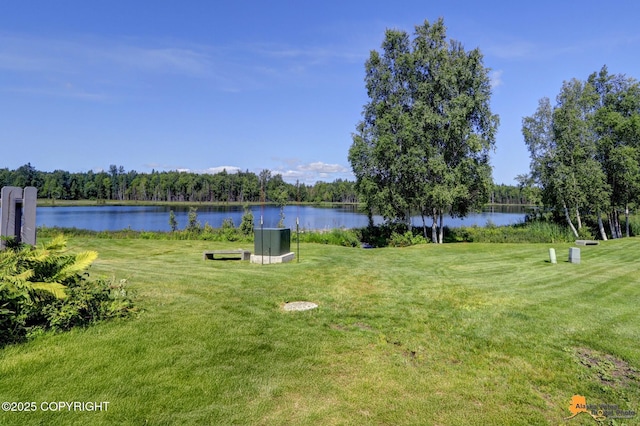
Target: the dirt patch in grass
pixel 608 369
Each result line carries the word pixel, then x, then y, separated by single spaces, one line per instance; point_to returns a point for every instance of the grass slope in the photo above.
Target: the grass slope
pixel 454 334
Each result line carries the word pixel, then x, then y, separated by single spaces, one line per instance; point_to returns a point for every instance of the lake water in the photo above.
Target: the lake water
pixel 156 218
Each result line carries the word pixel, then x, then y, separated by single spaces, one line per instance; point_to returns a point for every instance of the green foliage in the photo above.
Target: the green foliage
pixel 208 229
pixel 585 152
pixel 585 233
pixel 405 240
pixel 229 230
pixel 207 233
pixel 173 222
pixel 89 302
pixel 532 232
pixel 424 141
pixel 193 225
pixel 539 228
pixel 246 225
pixel 634 224
pixel 338 237
pixel 510 194
pixel 382 235
pixel 47 288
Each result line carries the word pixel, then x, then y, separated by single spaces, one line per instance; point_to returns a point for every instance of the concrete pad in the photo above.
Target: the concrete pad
pixel 266 260
pixel 299 306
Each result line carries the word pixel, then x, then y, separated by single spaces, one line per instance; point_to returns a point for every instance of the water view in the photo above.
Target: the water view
pixel 156 218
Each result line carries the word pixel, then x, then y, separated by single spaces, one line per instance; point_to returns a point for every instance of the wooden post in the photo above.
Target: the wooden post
pixel 18 217
pixel 29 203
pixel 9 196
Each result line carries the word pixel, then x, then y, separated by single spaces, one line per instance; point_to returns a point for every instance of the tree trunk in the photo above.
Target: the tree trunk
pixel 626 217
pixel 441 231
pixel 434 227
pixel 424 225
pixel 603 233
pixel 566 214
pixel 579 221
pixel 618 229
pixel 612 226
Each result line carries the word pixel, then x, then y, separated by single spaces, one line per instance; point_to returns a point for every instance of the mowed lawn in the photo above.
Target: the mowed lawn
pixel 456 334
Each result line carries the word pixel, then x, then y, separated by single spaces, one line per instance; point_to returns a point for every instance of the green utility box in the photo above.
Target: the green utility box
pixel 272 241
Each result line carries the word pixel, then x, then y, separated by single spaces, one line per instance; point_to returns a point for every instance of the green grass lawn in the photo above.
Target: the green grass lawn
pixel 456 334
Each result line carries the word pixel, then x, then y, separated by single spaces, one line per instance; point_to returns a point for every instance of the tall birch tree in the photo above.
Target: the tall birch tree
pixel 424 142
pixel 585 150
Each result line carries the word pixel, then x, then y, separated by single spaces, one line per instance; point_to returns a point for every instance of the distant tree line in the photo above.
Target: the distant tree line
pixel 243 187
pixel 511 194
pixel 121 185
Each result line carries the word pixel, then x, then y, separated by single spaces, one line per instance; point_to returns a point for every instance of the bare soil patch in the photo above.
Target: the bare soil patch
pixel 608 369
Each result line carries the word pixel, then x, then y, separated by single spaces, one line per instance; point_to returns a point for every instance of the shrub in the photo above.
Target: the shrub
pixel 46 288
pixel 406 239
pixel 338 237
pixel 246 225
pixel 173 222
pixel 229 231
pixel 379 236
pixel 532 232
pixel 193 225
pixel 585 233
pixel 634 224
pixel 88 302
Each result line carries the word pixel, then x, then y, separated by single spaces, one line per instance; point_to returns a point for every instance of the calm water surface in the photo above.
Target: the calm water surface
pixel 156 218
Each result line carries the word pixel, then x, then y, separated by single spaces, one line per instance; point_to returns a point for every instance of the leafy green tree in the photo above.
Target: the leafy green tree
pixel 280 199
pixel 173 222
pixel 246 225
pixel 424 141
pixel 575 148
pixel 584 151
pixel 193 224
pixel 264 178
pixel 26 175
pixel 617 125
pixel 563 152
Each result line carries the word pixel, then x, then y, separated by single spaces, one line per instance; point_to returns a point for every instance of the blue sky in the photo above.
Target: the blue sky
pixel 252 85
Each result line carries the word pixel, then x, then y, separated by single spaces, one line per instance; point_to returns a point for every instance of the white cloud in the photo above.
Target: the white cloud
pixel 219 169
pixel 23 53
pixel 292 175
pixel 210 170
pixel 320 167
pixel 514 49
pixel 116 65
pixel 496 78
pixel 310 173
pixel 316 54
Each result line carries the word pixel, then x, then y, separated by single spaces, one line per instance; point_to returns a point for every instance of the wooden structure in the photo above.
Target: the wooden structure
pixel 18 214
